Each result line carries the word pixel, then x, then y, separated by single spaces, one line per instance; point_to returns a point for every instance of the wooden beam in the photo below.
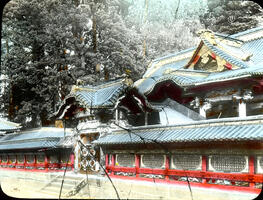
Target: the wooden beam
pixel 137 164
pixel 251 164
pixel 204 167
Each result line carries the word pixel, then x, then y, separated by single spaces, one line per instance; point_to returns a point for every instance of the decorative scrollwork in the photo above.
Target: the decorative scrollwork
pixel 88 161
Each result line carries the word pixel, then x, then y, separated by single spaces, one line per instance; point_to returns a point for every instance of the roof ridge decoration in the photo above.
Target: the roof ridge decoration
pixel 7 125
pixel 228 57
pixel 235 130
pixel 157 64
pixel 90 88
pixel 210 37
pixel 102 95
pixel 250 34
pixel 186 72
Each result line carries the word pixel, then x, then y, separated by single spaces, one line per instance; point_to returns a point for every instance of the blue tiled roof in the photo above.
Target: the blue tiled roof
pixel 148 82
pixel 226 56
pixel 99 96
pixel 187 81
pixel 236 35
pixel 256 48
pixel 37 138
pixel 252 67
pixel 30 145
pixel 8 126
pixel 214 131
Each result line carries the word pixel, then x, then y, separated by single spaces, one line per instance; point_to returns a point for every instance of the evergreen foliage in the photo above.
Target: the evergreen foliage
pixel 49 45
pixel 231 16
pixel 53 45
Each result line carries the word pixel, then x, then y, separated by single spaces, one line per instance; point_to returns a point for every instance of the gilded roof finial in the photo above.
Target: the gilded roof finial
pixel 208 35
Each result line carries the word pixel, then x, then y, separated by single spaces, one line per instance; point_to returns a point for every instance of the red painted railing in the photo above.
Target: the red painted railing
pixel 36 166
pixel 251 178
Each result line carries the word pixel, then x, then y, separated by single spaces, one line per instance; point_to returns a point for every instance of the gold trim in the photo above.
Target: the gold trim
pixel 164 62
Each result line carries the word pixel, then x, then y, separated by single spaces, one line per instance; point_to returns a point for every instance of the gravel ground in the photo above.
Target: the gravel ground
pixel 21 188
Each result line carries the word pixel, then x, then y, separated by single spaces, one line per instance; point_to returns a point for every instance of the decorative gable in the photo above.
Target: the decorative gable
pixel 215 52
pixel 206 60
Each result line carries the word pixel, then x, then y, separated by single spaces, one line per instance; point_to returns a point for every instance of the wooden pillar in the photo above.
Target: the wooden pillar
pixel 106 162
pixel 116 116
pixel 24 163
pixel 35 163
pixel 76 158
pixel 46 162
pixel 167 167
pixel 202 111
pixel 251 164
pixel 113 159
pixel 137 165
pixel 204 167
pixel 15 161
pixel 72 158
pixel 146 119
pixel 242 108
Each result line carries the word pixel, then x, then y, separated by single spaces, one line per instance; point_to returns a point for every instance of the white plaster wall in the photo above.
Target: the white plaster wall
pixel 170 116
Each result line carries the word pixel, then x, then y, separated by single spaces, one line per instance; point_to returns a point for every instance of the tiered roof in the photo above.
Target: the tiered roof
pixel 104 95
pixel 37 138
pixel 8 126
pixel 230 129
pixel 243 50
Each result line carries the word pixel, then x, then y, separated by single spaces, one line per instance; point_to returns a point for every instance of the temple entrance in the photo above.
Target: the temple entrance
pixel 89 157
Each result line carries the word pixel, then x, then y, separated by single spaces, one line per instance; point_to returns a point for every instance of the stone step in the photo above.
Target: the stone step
pixel 55 191
pixel 65 185
pixel 69 178
pixel 51 194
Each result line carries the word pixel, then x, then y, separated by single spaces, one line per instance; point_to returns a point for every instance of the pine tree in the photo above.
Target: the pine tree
pixel 33 64
pixel 54 43
pixel 230 17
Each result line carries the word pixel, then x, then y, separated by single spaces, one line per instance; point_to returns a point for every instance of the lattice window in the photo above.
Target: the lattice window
pixel 41 158
pixel 54 159
pixel 20 158
pixel 110 159
pixel 12 158
pixel 259 164
pixel 65 158
pixel 125 160
pixel 153 176
pixel 228 163
pixel 30 158
pixel 186 162
pixel 4 159
pixel 153 161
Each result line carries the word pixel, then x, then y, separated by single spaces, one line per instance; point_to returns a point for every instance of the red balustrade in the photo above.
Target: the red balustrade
pixel 203 174
pixel 70 163
pixel 35 164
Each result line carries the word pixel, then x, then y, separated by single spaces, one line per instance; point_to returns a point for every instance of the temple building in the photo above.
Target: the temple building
pixel 91 109
pixel 207 125
pixel 195 117
pixel 42 149
pixel 8 127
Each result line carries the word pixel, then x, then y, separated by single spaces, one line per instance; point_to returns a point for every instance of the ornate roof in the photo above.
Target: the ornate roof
pixel 47 137
pixel 8 126
pixel 101 96
pixel 231 129
pixel 243 50
pixel 104 95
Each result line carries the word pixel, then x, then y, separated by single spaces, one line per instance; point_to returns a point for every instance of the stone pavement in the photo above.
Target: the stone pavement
pixel 37 185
